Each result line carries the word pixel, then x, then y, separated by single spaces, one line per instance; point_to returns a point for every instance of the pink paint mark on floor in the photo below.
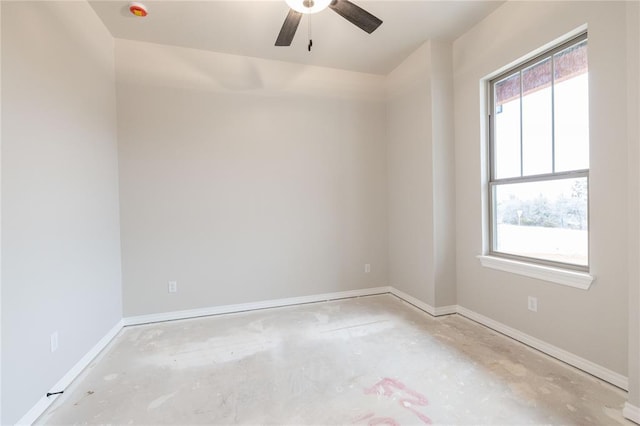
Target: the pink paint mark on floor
pixel 426 420
pixel 383 421
pixel 407 398
pixel 363 417
pixel 376 421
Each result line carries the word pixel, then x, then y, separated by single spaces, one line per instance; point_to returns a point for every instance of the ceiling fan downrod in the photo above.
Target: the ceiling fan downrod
pixel 309 29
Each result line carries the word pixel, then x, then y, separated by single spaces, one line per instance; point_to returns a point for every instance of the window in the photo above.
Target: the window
pixel 539 159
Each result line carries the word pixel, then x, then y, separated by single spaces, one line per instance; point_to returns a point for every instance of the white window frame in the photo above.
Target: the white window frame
pixel 563 273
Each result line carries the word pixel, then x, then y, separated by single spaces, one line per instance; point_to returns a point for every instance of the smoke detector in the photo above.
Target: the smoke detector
pixel 138 9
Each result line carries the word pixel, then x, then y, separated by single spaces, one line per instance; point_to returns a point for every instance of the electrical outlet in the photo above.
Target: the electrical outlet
pixel 367 268
pixel 54 341
pixel 173 286
pixel 532 303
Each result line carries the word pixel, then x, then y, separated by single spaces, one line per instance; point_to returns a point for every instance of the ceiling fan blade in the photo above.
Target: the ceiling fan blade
pixel 356 15
pixel 289 27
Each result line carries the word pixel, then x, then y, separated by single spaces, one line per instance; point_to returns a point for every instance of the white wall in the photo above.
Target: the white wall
pixel 592 324
pixel 421 175
pixel 60 226
pixel 246 179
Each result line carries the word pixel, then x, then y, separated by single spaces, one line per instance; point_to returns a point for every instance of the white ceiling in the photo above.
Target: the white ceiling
pixel 250 28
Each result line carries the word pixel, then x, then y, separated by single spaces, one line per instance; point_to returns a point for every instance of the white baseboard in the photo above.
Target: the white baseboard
pixel 44 402
pixel 274 303
pixel 631 412
pixel 442 310
pixel 583 364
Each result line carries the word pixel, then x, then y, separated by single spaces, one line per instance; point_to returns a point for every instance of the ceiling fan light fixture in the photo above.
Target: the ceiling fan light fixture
pixel 308 6
pixel 349 11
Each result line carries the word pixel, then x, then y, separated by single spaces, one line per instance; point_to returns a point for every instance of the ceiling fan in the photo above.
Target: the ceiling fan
pixel 349 11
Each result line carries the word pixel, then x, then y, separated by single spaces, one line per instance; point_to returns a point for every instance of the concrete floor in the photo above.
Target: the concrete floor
pixel 366 361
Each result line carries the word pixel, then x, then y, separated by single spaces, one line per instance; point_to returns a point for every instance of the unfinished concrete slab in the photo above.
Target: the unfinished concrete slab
pixel 365 361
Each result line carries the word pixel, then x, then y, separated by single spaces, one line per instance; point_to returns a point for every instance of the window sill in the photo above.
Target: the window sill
pixel 566 277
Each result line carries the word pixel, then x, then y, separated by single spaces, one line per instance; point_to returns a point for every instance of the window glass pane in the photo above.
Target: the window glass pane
pixel 507 127
pixel 537 132
pixel 571 97
pixel 545 220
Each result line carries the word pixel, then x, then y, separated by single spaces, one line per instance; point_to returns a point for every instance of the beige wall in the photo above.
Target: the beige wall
pixel 443 172
pixel 633 77
pixel 1 210
pixel 60 226
pixel 421 175
pixel 410 184
pixel 245 179
pixel 592 324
